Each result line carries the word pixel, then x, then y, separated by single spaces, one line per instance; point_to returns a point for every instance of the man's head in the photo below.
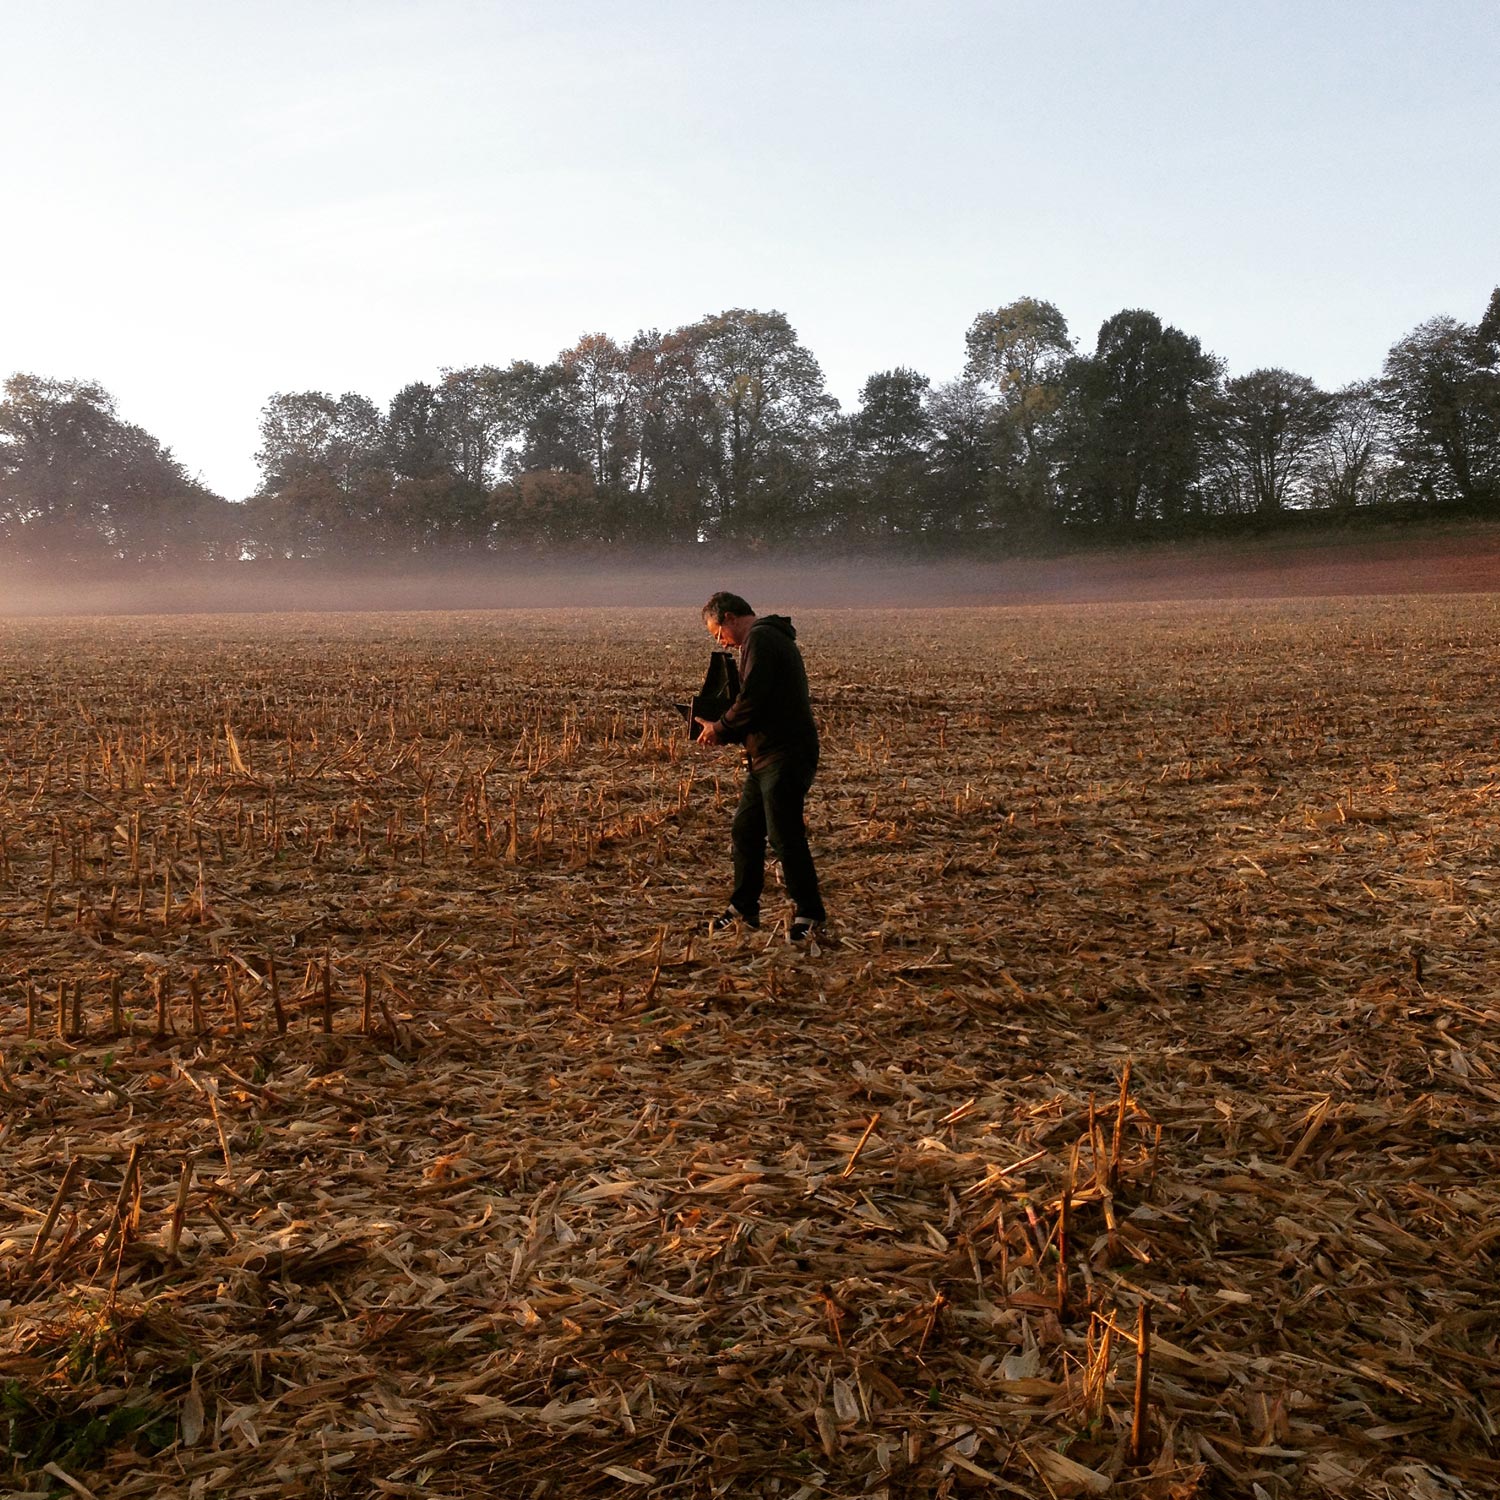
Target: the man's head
pixel 729 619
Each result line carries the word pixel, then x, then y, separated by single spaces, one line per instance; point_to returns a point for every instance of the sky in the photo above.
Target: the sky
pixel 202 205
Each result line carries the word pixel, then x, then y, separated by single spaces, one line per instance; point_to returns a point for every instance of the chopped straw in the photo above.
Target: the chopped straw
pixel 1133 1130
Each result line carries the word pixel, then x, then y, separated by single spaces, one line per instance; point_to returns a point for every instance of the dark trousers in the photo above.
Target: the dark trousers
pixel 771 808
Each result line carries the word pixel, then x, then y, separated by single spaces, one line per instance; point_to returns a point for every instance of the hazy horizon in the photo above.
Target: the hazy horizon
pixel 1459 558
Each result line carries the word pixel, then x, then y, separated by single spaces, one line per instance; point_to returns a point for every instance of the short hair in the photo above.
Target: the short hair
pixel 723 604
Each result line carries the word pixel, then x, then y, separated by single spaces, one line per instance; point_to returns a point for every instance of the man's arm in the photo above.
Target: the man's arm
pixel 757 685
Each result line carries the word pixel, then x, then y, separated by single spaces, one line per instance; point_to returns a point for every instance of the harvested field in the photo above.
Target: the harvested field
pixel 378 1119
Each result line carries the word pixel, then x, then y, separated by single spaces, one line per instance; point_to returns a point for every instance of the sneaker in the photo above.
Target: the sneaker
pixel 803 929
pixel 733 918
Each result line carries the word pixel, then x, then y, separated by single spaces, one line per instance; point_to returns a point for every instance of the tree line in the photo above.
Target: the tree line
pixel 723 431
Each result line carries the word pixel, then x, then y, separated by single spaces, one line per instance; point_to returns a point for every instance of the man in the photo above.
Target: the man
pixel 772 718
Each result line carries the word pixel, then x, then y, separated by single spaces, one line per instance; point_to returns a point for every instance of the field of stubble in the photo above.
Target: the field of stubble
pixel 378 1118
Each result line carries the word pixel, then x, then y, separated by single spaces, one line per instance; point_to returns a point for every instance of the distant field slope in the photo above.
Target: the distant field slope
pixel 1450 560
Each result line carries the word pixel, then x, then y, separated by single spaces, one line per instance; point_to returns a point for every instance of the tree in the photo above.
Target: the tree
pixel 958 417
pixel 891 433
pixel 1269 423
pixel 678 457
pixel 482 412
pixel 1019 352
pixel 1350 464
pixel 606 400
pixel 546 508
pixel 597 385
pixel 77 483
pixel 443 446
pixel 416 443
pixel 534 420
pixel 1134 422
pixel 325 473
pixel 1441 389
pixel 763 403
pixel 1488 331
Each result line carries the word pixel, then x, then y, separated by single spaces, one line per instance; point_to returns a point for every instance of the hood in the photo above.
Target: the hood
pixel 777 622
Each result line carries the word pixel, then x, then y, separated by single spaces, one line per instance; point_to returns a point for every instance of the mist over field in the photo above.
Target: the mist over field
pixel 1460 559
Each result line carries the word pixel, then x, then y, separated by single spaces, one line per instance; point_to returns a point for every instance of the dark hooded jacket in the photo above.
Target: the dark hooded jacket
pixel 772 717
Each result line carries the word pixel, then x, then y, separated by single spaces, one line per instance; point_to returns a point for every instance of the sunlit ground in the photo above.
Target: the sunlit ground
pixel 379 1118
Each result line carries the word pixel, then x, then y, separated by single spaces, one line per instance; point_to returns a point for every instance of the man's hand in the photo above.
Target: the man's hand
pixel 709 734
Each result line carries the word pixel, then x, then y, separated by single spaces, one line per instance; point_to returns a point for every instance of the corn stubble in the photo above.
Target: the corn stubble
pixel 379 1119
